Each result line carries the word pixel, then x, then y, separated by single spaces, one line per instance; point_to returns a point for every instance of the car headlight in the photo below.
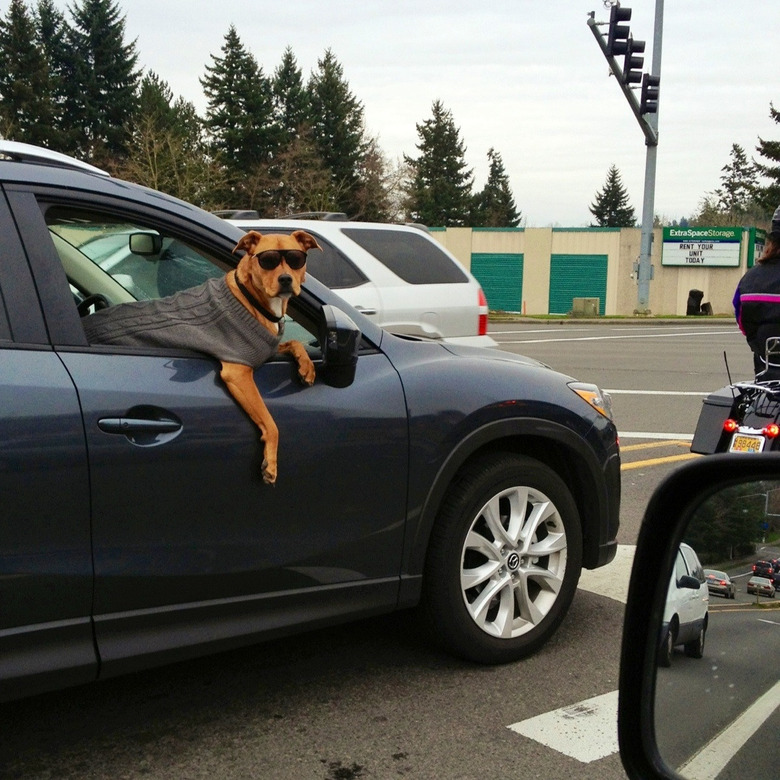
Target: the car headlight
pixel 599 400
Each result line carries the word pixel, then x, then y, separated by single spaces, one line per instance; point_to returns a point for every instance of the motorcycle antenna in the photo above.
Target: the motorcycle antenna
pixel 728 372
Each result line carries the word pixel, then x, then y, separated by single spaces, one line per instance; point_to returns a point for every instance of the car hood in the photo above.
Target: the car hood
pixel 492 354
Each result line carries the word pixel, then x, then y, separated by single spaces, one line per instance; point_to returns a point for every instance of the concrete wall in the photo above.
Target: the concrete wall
pixel 668 289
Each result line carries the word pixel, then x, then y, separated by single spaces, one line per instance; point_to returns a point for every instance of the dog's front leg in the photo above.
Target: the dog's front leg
pixel 305 366
pixel 240 381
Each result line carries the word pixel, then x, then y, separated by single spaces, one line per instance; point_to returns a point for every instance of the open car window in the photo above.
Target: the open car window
pixel 143 261
pixel 129 261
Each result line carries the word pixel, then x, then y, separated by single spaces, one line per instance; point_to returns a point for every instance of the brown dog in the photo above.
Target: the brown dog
pixel 271 288
pixel 237 319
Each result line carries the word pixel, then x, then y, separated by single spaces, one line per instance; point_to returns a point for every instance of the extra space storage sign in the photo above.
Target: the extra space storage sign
pixel 697 247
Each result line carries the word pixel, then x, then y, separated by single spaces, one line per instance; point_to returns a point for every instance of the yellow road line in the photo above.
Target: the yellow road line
pixel 649 445
pixel 638 464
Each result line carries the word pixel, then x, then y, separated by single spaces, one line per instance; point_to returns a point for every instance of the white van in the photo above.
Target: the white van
pixel 687 608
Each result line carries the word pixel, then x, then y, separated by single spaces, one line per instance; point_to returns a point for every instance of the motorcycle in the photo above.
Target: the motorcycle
pixel 743 417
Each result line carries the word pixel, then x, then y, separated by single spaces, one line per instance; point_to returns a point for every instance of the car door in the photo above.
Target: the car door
pixel 45 555
pixel 190 547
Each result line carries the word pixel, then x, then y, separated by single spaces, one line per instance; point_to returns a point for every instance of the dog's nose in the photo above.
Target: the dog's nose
pixel 285 281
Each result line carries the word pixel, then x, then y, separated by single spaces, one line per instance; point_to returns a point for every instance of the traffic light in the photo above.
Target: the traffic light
pixel 648 103
pixel 617 37
pixel 632 65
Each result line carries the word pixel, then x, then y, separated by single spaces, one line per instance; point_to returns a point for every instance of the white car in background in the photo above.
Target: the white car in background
pixel 398 275
pixel 686 614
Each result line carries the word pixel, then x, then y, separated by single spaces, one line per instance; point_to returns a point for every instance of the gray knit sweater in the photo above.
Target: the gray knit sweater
pixel 207 318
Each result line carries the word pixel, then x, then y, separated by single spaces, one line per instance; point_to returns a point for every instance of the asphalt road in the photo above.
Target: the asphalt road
pixel 657 375
pixel 372 699
pixel 709 695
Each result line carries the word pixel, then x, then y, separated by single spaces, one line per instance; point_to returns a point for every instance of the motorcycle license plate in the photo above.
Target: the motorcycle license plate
pixel 744 443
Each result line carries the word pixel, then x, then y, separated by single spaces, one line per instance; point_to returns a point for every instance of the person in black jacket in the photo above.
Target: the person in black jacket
pixel 757 305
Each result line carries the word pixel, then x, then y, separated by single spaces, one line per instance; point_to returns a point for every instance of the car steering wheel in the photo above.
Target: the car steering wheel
pixel 98 300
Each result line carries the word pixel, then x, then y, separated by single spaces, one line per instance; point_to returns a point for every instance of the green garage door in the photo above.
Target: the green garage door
pixel 577 276
pixel 501 278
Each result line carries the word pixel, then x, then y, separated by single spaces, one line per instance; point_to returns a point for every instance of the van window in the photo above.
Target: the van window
pixel 410 255
pixel 694 567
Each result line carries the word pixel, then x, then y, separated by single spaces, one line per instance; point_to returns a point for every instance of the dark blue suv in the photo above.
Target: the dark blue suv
pixel 136 529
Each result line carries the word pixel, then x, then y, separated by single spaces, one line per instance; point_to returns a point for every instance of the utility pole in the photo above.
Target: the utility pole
pixel 620 42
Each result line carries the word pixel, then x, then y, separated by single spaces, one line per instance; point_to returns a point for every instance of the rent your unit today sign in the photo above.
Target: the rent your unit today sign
pixel 701 246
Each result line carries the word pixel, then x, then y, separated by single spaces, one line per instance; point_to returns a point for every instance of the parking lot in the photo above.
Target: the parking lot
pixel 373 699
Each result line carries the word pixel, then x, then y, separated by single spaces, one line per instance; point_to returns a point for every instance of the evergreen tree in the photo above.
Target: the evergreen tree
pixel 51 30
pixel 611 207
pixel 737 201
pixel 26 107
pixel 738 188
pixel 440 189
pixel 239 116
pixel 336 121
pixel 769 195
pixel 155 99
pixel 101 89
pixel 495 206
pixel 290 98
pixel 373 195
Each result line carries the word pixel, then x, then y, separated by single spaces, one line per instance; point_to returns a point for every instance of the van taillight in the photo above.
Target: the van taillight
pixel 483 313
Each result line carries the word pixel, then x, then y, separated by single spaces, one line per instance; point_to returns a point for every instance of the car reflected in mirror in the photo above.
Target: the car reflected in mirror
pixel 688 707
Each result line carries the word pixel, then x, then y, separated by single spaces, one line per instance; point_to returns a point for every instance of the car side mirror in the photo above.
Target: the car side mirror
pixel 725 508
pixel 340 340
pixel 145 244
pixel 686 581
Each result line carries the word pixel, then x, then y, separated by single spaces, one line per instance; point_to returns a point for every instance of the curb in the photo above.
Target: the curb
pixel 723 321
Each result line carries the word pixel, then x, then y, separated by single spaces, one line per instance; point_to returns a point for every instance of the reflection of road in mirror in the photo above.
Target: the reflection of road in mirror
pixel 718 715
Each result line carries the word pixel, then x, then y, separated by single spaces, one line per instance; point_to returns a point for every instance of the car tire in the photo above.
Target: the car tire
pixel 695 649
pixel 503 561
pixel 666 650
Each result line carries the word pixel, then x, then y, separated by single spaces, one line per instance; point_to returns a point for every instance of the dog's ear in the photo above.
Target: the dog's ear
pixel 248 242
pixel 306 240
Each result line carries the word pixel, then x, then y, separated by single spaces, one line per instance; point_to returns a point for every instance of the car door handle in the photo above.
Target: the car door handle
pixel 125 425
pixel 366 311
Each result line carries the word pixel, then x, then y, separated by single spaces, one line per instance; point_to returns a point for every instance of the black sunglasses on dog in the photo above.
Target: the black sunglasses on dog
pixel 271 258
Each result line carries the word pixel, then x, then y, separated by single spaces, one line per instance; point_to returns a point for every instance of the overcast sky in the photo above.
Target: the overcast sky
pixel 526 78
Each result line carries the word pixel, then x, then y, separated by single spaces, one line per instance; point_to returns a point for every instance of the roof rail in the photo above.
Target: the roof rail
pixel 236 214
pixel 14 150
pixel 335 216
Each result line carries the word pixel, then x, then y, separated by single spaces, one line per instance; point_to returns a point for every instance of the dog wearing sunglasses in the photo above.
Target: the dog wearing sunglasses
pixel 237 319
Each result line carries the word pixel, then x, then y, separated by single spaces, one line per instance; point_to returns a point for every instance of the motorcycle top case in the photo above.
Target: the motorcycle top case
pixel 715 410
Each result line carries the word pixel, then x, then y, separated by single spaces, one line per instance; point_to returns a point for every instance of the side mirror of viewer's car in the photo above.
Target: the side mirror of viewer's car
pixel 715 710
pixel 340 341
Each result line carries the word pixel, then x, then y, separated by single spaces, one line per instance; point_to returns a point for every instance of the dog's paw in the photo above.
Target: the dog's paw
pixel 306 375
pixel 269 473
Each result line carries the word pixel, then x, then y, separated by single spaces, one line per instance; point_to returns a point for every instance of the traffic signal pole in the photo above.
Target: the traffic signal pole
pixel 645 269
pixel 618 42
